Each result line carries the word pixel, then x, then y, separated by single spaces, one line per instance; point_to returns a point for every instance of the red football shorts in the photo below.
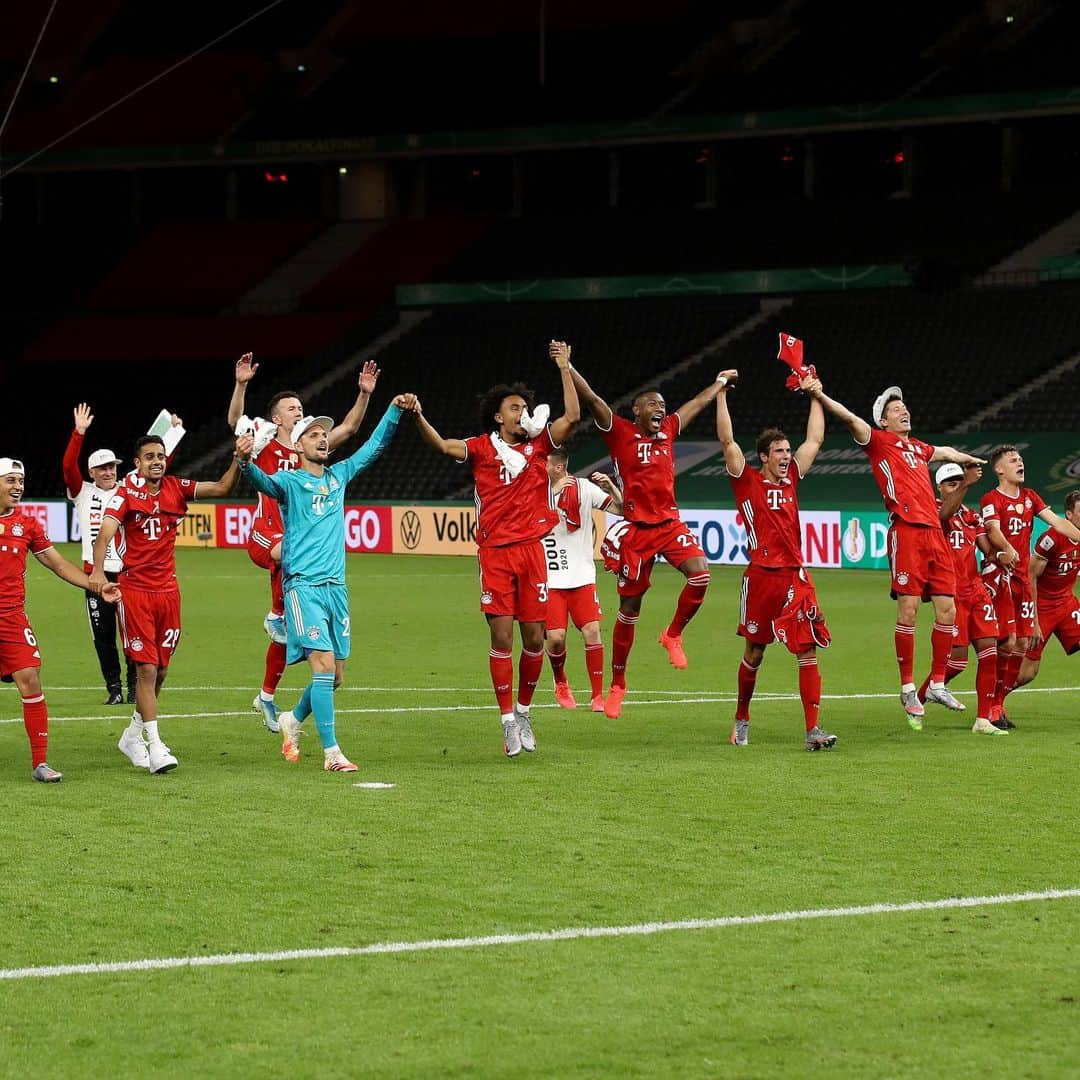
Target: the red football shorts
pixel 919 558
pixel 513 581
pixel 629 550
pixel 1023 605
pixel 1062 620
pixel 998 585
pixel 149 625
pixel 18 646
pixel 259 546
pixel 581 604
pixel 976 617
pixel 762 597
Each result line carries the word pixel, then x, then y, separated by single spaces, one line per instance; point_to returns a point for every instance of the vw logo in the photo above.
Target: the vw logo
pixel 410 529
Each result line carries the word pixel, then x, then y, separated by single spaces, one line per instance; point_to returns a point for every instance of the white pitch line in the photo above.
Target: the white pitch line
pixel 568 934
pixel 412 709
pixel 347 689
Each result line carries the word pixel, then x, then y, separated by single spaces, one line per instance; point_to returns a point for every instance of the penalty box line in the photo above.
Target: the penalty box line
pixel 538 936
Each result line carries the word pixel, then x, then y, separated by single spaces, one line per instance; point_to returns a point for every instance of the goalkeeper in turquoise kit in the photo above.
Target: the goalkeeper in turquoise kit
pixel 312 501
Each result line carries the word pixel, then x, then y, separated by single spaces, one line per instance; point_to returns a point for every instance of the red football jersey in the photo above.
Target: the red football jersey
pixel 1015 518
pixel 962 530
pixel 272 458
pixel 1062 557
pixel 511 510
pixel 771 514
pixel 146 539
pixel 899 465
pixel 646 465
pixel 19 533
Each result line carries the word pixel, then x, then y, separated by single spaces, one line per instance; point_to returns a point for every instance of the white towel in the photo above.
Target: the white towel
pixel 262 429
pixel 533 425
pixel 513 460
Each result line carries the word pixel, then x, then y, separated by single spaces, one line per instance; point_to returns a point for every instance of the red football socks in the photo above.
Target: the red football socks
pixel 810 690
pixel 530 664
pixel 986 681
pixel 502 679
pixel 1011 673
pixel 747 682
pixel 690 599
pixel 905 652
pixel 622 640
pixel 36 722
pixel 558 665
pixel 275 667
pixel 941 643
pixel 594 665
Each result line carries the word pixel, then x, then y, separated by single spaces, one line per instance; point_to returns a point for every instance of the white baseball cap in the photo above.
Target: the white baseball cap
pixel 102 457
pixel 10 465
pixel 310 421
pixel 949 471
pixel 881 400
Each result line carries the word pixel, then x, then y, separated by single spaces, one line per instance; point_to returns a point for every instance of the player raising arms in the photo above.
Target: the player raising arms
pixel 571 571
pixel 513 512
pixel 144 515
pixel 919 556
pixel 1052 576
pixel 976 619
pixel 20 658
pixel 1009 513
pixel 776 588
pixel 313 564
pixel 644 455
pixel 264 542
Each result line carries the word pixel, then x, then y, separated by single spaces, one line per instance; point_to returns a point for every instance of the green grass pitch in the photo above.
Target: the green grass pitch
pixel 653 817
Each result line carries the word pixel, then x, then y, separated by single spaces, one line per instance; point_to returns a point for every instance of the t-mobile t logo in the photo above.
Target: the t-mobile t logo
pixel 644 452
pixel 775 497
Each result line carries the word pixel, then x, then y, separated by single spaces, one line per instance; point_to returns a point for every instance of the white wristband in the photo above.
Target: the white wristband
pixel 722 380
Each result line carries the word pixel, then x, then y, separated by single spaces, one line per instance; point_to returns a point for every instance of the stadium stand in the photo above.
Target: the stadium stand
pixel 199 265
pixel 760 234
pixel 928 344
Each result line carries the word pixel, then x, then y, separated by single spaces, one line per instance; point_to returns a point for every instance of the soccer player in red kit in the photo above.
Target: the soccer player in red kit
pixel 777 597
pixel 513 514
pixel 1009 513
pixel 267 529
pixel 976 618
pixel 919 556
pixel 1054 566
pixel 644 455
pixel 143 515
pixel 20 658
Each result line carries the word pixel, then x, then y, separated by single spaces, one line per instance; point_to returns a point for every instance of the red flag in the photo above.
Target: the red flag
pixel 791 353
